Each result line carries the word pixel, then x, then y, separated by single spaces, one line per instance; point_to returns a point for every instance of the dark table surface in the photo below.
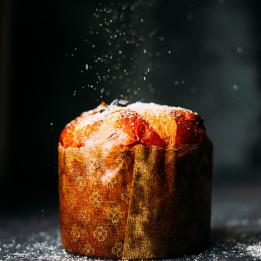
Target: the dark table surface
pixel 236 230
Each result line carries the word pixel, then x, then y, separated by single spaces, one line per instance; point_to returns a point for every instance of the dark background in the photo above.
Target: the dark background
pixel 214 68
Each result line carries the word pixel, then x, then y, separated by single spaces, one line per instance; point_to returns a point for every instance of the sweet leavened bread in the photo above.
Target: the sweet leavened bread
pixel 135 182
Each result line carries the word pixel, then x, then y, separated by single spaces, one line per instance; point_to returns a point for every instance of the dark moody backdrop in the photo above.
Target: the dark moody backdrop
pixel 206 56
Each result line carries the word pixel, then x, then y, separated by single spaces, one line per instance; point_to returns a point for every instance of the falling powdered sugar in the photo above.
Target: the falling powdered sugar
pixel 122 61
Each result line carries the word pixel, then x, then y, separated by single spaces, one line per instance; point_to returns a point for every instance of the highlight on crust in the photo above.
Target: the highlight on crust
pixel 137 123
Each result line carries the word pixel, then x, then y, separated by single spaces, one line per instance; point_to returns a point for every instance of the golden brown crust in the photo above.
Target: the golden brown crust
pixel 139 123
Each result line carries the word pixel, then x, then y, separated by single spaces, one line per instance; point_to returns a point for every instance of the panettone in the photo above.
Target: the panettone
pixel 135 182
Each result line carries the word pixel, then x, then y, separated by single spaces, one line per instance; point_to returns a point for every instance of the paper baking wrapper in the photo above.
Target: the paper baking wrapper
pixel 141 202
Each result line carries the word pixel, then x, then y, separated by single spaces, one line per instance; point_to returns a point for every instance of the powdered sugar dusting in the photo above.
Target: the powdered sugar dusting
pixel 115 124
pixel 155 108
pixel 254 251
pixel 112 111
pixel 35 235
pixel 91 119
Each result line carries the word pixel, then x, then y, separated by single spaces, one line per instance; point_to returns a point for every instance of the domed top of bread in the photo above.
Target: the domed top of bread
pixel 122 124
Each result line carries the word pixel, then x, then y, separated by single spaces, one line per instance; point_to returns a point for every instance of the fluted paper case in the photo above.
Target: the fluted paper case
pixel 141 202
